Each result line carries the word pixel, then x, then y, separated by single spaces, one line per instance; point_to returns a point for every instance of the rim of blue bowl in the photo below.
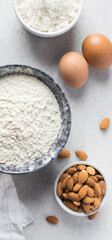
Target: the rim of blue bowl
pixel 38 163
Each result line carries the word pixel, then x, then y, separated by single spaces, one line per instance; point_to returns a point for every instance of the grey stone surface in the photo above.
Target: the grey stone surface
pixel 89 106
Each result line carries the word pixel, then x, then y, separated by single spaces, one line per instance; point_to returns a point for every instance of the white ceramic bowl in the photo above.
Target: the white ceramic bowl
pixel 48 34
pixel 80 214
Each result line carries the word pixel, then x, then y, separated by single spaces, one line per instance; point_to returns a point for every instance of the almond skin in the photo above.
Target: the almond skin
pixel 81 155
pixel 70 184
pixel 83 176
pixel 81 167
pixel 103 187
pixel 63 176
pixel 59 189
pixel 88 200
pixel 90 182
pixel 83 191
pixel 77 187
pixel 90 192
pixel 73 197
pixel 93 216
pixel 104 124
pixel 52 219
pixel 70 205
pixel 86 208
pixel 71 170
pixel 90 170
pixel 65 181
pixel 97 190
pixel 64 154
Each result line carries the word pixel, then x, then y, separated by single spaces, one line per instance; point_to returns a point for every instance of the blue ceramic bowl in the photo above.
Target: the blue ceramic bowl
pixel 61 140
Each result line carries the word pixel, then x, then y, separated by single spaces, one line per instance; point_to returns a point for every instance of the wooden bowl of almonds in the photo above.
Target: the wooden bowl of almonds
pixel 81 189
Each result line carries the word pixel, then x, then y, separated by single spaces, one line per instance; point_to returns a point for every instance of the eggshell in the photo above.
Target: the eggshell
pixel 73 69
pixel 97 49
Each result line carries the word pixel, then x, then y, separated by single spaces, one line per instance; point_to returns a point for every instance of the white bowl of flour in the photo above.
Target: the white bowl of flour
pixel 46 18
pixel 35 119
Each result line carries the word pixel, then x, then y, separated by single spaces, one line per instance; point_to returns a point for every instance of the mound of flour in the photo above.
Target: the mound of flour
pixel 48 15
pixel 29 119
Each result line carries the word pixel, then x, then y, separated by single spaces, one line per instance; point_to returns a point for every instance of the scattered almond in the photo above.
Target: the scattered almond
pixel 83 191
pixel 70 184
pixel 97 190
pixel 81 155
pixel 77 187
pixel 64 154
pixel 52 219
pixel 59 189
pixel 104 124
pixel 103 187
pixel 83 176
pixel 93 216
pixel 70 205
pixel 65 181
pixel 90 170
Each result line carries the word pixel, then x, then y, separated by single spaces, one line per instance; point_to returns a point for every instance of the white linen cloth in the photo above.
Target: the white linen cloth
pixel 13 214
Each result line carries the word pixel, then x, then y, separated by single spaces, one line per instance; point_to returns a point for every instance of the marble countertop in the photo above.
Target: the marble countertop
pixel 89 106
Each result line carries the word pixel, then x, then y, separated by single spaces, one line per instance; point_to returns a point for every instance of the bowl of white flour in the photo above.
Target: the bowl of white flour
pixel 48 18
pixel 35 119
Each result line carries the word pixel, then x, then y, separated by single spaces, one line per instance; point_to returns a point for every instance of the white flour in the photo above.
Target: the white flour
pixel 48 15
pixel 29 119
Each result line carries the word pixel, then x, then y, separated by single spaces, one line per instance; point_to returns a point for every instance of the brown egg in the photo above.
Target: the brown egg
pixel 97 49
pixel 73 69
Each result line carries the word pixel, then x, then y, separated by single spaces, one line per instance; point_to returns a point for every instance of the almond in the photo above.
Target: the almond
pixel 65 195
pixel 88 200
pixel 59 189
pixel 93 216
pixel 86 207
pixel 77 203
pixel 97 202
pixel 71 170
pixel 90 182
pixel 90 170
pixel 82 155
pixel 83 191
pixel 81 167
pixel 64 154
pixel 94 178
pixel 83 176
pixel 90 192
pixel 73 197
pixel 97 190
pixel 104 124
pixel 63 176
pixel 65 181
pixel 70 205
pixel 99 177
pixel 70 184
pixel 103 187
pixel 52 219
pixel 77 187
pixel 75 178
